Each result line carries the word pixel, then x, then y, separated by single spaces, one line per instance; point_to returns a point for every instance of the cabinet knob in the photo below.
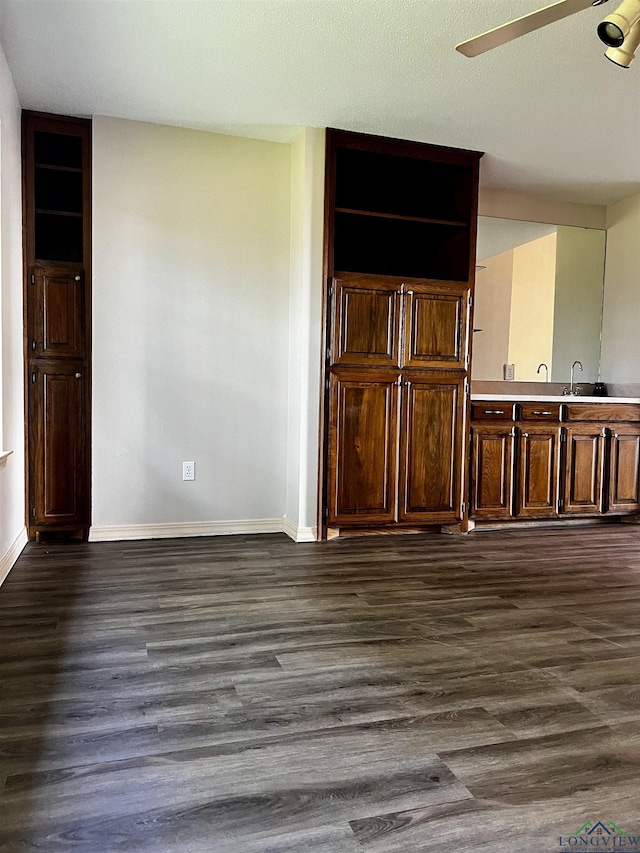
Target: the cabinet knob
pixel 76 278
pixel 78 376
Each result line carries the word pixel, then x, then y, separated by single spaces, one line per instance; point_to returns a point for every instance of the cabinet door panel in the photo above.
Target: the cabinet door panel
pixel 57 429
pixel 59 314
pixel 366 321
pixel 435 326
pixel 362 449
pixel 431 440
pixel 538 471
pixel 624 473
pixel 583 470
pixel 492 472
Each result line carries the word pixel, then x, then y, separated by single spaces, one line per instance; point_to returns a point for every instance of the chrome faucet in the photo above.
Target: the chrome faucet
pixel 546 369
pixel 573 390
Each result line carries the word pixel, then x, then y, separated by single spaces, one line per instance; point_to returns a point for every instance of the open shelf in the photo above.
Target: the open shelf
pixel 58 237
pixel 408 187
pixel 401 247
pixel 57 149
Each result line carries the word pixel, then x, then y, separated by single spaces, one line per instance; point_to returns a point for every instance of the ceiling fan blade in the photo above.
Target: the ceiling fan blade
pixel 522 26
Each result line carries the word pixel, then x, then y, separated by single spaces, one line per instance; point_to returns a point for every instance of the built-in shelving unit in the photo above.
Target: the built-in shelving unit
pixel 57 250
pixel 400 261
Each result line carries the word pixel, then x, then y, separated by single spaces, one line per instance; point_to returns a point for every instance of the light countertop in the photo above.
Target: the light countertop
pixel 550 398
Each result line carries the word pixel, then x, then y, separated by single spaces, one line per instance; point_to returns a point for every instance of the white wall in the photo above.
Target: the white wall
pixel 577 317
pixel 191 260
pixel 305 318
pixel 12 490
pixel 620 357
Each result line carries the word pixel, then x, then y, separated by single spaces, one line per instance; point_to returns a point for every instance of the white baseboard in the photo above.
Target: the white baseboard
pixel 8 560
pixel 193 528
pixel 300 534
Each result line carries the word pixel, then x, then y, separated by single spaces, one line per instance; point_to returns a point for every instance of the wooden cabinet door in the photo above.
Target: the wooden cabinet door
pixel 431 448
pixel 366 321
pixel 363 433
pixel 624 469
pixel 538 468
pixel 56 402
pixel 583 476
pixel 435 325
pixel 59 315
pixel 492 461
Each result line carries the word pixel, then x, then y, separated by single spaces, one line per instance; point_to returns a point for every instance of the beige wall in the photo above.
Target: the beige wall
pixel 12 490
pixel 492 314
pixel 532 305
pixel 532 208
pixel 191 253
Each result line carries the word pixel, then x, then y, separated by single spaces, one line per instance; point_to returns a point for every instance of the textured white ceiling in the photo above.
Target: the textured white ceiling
pixel 551 113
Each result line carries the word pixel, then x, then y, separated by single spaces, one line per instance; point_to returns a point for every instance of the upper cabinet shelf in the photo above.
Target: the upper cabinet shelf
pixel 57 149
pixel 404 186
pixel 57 186
pixel 400 208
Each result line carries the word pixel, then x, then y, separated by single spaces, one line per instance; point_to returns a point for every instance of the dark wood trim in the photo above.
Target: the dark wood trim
pixel 400 147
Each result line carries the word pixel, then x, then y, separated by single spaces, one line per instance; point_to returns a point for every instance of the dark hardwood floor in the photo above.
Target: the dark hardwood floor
pixel 379 695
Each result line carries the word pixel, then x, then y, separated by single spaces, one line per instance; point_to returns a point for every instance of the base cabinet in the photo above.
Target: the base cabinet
pixel 624 469
pixel 538 471
pixel 431 448
pixel 522 468
pixel 492 472
pixel 396 447
pixel 583 470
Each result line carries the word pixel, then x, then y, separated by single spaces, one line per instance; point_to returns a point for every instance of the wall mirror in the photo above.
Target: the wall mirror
pixel 538 300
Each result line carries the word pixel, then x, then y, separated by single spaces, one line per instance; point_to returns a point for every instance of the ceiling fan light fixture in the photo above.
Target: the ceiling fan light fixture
pixel 615 28
pixel 623 56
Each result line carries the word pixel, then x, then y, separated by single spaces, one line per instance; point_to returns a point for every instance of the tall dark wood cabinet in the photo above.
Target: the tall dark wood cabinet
pixel 57 266
pixel 400 237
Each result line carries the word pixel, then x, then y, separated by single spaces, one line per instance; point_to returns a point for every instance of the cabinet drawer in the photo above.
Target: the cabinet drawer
pixel 605 412
pixel 540 411
pixel 492 411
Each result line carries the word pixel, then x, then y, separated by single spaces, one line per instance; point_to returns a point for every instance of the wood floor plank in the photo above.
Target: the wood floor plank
pixel 385 694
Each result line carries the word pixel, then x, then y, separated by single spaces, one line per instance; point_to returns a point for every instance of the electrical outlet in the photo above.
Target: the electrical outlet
pixel 509 372
pixel 188 470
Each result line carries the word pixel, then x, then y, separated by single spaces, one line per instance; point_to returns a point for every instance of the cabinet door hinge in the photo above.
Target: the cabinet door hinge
pixel 33 512
pixel 560 504
pixel 32 278
pixel 464 507
pixel 326 512
pixel 470 300
pixel 33 377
